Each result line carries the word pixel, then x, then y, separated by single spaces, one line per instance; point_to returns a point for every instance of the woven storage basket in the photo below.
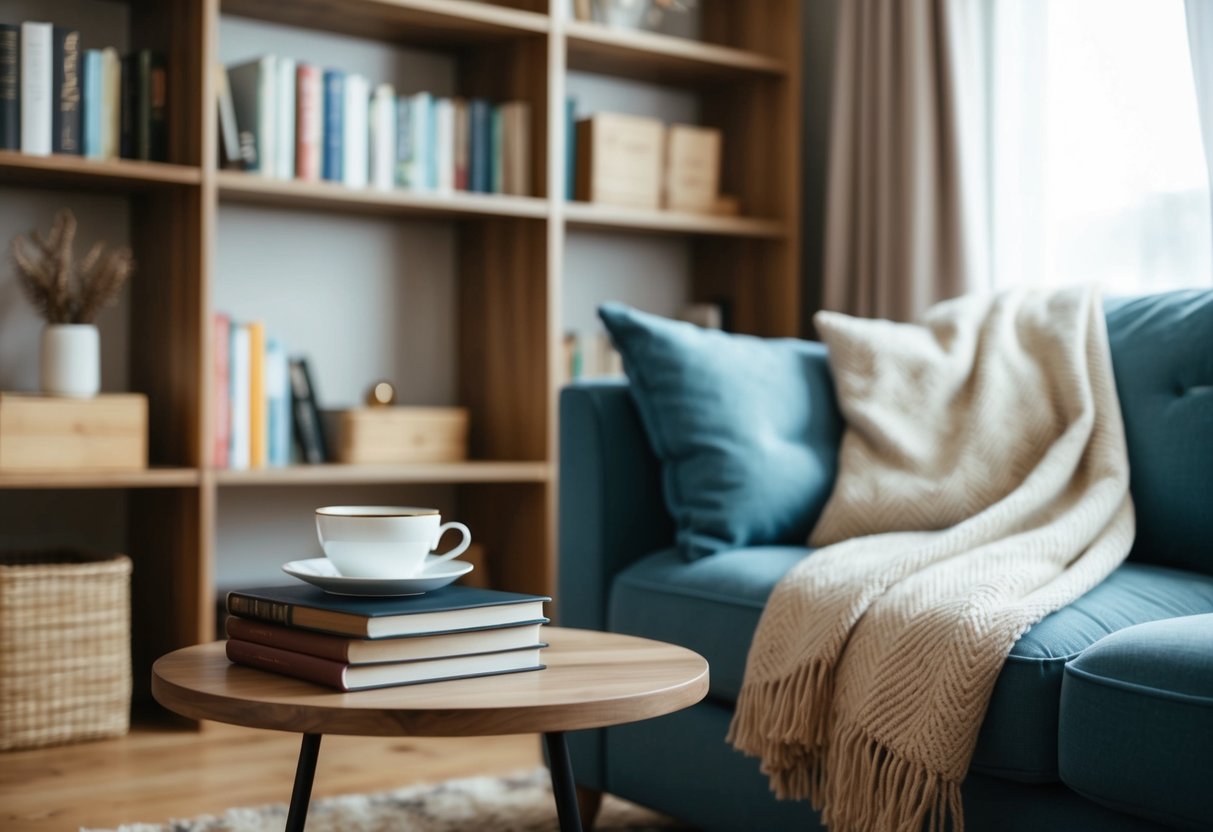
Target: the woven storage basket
pixel 65 647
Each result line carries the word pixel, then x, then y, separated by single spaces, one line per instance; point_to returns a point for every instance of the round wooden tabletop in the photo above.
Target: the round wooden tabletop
pixel 592 679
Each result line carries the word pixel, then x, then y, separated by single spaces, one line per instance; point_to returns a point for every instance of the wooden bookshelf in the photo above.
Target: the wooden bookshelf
pixel 509 260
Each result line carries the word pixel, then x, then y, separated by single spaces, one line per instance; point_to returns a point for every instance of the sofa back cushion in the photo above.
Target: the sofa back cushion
pixel 1162 356
pixel 746 429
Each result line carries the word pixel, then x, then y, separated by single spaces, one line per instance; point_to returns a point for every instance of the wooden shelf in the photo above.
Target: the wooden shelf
pixel 78 172
pixel 235 186
pixel 645 56
pixel 590 215
pixel 421 22
pixel 432 473
pixel 148 478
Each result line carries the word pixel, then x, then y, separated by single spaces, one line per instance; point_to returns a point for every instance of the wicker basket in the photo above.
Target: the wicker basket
pixel 65 647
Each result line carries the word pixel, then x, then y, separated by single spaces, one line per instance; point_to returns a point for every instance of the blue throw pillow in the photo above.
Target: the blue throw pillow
pixel 746 429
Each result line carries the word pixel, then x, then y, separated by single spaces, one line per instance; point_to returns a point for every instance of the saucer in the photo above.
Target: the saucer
pixel 322 573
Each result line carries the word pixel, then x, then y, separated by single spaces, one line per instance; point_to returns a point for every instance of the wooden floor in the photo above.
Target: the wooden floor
pixel 153 774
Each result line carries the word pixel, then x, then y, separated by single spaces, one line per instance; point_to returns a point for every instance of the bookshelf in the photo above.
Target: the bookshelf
pixel 509 260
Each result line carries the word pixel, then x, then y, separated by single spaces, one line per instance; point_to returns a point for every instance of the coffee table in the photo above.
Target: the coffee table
pixel 592 680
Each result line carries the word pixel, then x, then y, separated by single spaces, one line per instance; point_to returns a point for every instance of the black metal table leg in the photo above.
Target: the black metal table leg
pixel 305 772
pixel 563 787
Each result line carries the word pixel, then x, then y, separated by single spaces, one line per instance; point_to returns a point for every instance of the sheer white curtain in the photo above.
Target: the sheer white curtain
pixel 1096 167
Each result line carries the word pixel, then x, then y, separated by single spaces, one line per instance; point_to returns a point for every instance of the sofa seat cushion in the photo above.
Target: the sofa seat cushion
pixel 712 605
pixel 1137 720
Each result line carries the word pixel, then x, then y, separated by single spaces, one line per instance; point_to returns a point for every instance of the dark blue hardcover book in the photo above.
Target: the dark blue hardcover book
pixel 570 148
pixel 447 610
pixel 66 92
pixel 334 123
pixel 478 119
pixel 10 86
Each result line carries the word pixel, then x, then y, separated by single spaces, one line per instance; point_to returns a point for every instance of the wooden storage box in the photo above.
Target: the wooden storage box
pixel 402 434
pixel 43 433
pixel 692 168
pixel 65 647
pixel 619 160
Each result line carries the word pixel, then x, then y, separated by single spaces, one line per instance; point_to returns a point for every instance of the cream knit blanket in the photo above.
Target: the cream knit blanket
pixel 983 483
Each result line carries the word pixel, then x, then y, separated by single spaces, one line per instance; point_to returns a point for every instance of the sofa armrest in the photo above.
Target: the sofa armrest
pixel 611 507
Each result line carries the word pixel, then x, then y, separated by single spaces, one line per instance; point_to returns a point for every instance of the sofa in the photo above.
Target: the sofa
pixel 1102 717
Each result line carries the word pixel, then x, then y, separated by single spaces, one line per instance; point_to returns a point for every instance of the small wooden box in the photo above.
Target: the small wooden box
pixel 402 434
pixel 619 160
pixel 42 433
pixel 692 168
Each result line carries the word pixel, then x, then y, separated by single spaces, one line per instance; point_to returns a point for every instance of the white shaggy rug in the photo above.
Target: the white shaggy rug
pixel 520 802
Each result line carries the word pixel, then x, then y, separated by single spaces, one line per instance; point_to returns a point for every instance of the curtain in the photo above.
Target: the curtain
pixel 904 225
pixel 1199 14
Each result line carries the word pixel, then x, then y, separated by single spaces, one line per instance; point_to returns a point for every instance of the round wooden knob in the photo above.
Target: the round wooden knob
pixel 381 394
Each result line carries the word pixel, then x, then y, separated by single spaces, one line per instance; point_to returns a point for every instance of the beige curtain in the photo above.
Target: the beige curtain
pixel 904 223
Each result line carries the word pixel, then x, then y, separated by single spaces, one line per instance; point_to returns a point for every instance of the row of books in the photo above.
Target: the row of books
pixel 264 400
pixel 58 97
pixel 356 643
pixel 287 119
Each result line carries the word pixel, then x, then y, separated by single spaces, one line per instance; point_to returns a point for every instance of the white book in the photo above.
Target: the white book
pixel 444 144
pixel 254 86
pixel 238 395
pixel 278 402
pixel 383 137
pixel 356 132
pixel 37 97
pixel 415 163
pixel 284 120
pixel 111 103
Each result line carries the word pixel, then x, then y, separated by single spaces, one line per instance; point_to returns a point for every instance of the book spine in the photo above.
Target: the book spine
pixel 285 127
pixel 421 119
pixel 238 446
pixel 157 107
pixel 357 132
pixel 308 428
pixel 570 148
pixel 37 98
pixel 334 114
pixel 444 141
pixel 275 612
pixel 222 410
pixel 297 665
pixel 462 148
pixel 111 103
pixel 65 79
pixel 309 124
pixel 333 648
pixel 278 402
pixel 431 145
pixel 10 86
pixel 267 116
pixel 404 140
pixel 496 142
pixel 143 105
pixel 478 125
pixel 383 137
pixel 90 115
pixel 258 451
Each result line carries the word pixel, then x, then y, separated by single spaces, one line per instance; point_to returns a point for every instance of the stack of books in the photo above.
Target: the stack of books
pixel 287 119
pixel 352 643
pixel 58 97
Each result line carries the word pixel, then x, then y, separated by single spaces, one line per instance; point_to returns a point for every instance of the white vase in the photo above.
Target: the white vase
pixel 71 360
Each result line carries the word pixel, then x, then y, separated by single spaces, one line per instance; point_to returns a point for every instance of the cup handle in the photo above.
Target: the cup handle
pixel 458 550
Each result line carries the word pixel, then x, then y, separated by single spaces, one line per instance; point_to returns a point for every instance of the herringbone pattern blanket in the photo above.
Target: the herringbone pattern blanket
pixel 983 484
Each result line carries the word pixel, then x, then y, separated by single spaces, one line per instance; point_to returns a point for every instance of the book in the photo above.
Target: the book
pixel 253 86
pixel 347 677
pixel 309 122
pixel 91 101
pixel 451 609
pixel 355 129
pixel 10 86
pixel 309 430
pixel 516 148
pixel 376 651
pixel 462 148
pixel 111 103
pixel 333 153
pixel 496 135
pixel 238 395
pixel 221 410
pixel 284 119
pixel 65 81
pixel 278 403
pixel 144 107
pixel 383 137
pixel 570 148
pixel 258 425
pixel 36 97
pixel 414 164
pixel 443 150
pixel 480 175
pixel 230 156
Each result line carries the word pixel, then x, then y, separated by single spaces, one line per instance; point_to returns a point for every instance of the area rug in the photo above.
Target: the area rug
pixel 519 802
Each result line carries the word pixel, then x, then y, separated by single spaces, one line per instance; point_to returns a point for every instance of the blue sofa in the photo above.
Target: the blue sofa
pixel 1102 718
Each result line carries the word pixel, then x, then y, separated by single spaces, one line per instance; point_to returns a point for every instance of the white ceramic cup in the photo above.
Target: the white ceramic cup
pixel 384 541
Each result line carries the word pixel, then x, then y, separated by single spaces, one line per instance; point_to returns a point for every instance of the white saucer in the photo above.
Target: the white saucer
pixel 322 573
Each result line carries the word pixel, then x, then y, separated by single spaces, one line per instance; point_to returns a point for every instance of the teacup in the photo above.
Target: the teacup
pixel 384 541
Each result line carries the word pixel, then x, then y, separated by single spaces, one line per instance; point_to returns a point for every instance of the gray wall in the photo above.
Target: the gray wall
pixel 820 17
